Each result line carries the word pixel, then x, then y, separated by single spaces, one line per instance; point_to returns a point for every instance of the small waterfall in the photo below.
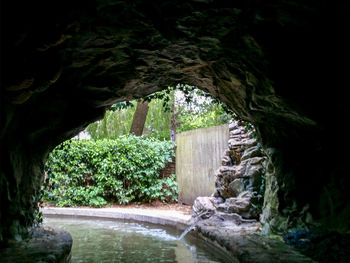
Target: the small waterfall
pixel 191 227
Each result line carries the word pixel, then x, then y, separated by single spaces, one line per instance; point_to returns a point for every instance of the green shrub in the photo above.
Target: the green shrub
pixel 88 172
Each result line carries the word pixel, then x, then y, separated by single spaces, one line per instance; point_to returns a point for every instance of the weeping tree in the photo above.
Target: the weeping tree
pixel 119 121
pixel 158 121
pixel 116 122
pixel 162 114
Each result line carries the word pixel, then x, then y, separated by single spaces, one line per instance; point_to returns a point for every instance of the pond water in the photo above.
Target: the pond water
pixel 102 240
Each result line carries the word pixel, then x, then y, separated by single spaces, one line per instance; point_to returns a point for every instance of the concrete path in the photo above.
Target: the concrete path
pixel 173 218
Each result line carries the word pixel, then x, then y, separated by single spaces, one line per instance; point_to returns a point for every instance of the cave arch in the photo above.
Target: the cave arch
pixel 64 63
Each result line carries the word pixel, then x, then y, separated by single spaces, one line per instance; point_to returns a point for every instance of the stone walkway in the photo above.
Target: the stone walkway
pixel 173 218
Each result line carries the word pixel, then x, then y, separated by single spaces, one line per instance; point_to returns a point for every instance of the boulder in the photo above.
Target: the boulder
pixel 226 160
pixel 240 205
pixel 45 245
pixel 203 207
pixel 251 152
pixel 237 186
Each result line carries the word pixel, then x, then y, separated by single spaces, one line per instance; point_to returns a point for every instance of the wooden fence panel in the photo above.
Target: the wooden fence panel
pixel 198 156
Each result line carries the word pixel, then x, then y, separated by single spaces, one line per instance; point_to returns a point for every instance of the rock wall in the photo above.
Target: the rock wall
pixel 239 184
pixel 277 64
pixel 45 245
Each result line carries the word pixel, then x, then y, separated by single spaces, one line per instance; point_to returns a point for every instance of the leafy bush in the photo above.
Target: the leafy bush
pixel 88 172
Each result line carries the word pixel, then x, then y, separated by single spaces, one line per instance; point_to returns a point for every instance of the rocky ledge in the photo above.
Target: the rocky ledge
pixel 230 217
pixel 239 181
pixel 46 245
pixel 246 244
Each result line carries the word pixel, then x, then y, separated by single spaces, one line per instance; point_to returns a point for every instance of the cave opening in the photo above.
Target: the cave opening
pixel 277 65
pixel 107 147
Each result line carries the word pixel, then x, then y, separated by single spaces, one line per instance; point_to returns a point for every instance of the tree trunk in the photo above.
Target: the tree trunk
pixel 140 115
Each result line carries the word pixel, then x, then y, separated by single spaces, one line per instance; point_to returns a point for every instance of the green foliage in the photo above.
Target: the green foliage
pixel 166 96
pixel 210 115
pixel 193 109
pixel 196 109
pixel 115 123
pixel 158 121
pixel 122 105
pixel 88 172
pixel 118 120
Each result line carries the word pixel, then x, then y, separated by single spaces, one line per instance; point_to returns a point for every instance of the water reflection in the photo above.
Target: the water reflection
pixel 117 241
pixel 185 253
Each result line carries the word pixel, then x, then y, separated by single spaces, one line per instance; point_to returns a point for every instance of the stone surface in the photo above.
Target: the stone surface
pixel 240 205
pixel 46 245
pixel 239 182
pixel 245 244
pixel 203 207
pixel 172 218
pixel 277 64
pixel 237 186
pixel 251 152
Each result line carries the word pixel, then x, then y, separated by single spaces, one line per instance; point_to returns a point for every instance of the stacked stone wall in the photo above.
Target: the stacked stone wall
pixel 239 181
